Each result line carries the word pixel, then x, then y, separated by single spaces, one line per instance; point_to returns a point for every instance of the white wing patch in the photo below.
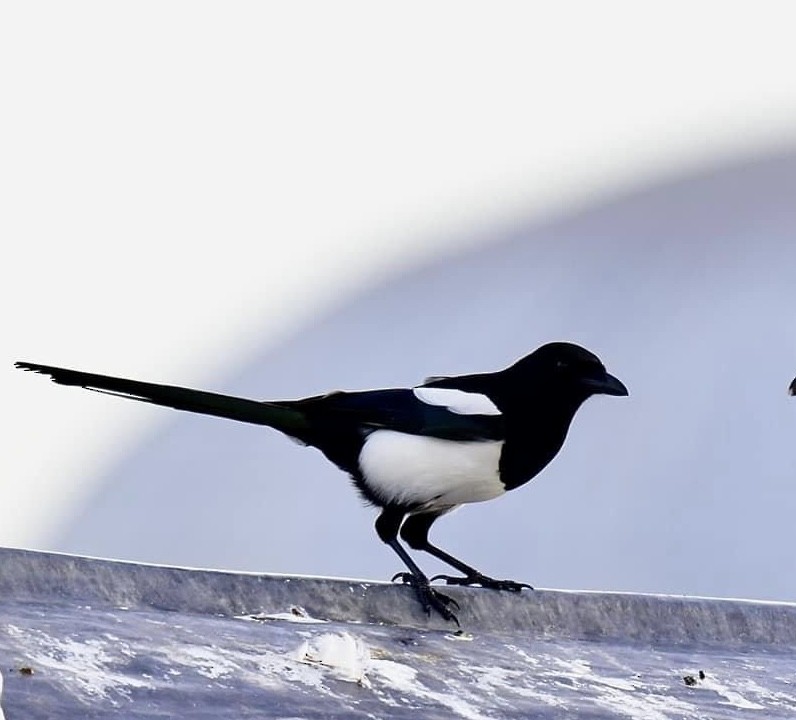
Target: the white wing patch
pixel 428 472
pixel 457 401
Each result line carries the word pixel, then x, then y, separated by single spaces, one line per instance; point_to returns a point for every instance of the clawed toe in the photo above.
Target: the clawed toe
pixel 430 598
pixel 509 585
pixel 405 577
pixel 483 581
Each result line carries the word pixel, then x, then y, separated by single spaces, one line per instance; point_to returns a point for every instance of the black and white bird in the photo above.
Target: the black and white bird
pixel 417 453
pixel 792 388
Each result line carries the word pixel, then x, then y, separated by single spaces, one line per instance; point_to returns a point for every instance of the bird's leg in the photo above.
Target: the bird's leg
pixel 429 598
pixel 415 533
pixel 387 525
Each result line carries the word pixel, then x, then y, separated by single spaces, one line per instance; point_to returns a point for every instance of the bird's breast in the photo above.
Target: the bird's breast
pixel 416 471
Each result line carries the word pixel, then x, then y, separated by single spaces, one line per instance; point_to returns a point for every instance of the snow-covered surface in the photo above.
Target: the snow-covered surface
pixel 81 637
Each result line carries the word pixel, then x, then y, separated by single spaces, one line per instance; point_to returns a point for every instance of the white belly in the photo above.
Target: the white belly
pixel 429 472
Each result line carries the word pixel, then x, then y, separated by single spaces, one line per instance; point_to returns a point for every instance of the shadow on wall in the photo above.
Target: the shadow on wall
pixel 687 292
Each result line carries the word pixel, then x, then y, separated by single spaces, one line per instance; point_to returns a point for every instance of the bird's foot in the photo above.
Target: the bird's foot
pixel 429 598
pixel 483 581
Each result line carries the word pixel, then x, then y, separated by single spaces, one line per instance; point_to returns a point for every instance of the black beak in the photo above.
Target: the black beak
pixel 792 388
pixel 606 384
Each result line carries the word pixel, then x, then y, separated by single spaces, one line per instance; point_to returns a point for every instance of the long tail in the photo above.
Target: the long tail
pixel 280 416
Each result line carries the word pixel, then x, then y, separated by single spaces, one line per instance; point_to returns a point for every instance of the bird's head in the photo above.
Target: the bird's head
pixel 792 388
pixel 566 369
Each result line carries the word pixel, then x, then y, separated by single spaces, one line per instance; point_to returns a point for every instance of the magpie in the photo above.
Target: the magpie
pixel 792 388
pixel 416 453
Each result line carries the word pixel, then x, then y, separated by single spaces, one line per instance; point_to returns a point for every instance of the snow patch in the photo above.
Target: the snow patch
pixel 730 696
pixel 346 655
pixel 206 661
pixel 296 614
pixel 2 716
pixel 87 669
pixel 403 679
pixel 498 682
pixel 622 696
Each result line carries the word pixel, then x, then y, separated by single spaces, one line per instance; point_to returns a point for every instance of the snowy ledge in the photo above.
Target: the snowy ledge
pixel 81 637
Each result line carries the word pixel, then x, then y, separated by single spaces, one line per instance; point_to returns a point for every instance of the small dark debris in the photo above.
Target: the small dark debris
pixel 26 670
pixel 407 641
pixel 690 680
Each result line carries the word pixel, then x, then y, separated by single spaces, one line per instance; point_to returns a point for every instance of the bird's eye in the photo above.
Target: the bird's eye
pixel 561 364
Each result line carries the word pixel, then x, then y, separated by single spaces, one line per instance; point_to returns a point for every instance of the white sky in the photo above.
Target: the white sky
pixel 181 181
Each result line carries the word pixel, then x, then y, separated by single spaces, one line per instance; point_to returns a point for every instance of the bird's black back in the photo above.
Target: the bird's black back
pixel 341 421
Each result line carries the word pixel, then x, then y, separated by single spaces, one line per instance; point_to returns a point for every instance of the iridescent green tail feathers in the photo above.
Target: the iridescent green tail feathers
pixel 280 416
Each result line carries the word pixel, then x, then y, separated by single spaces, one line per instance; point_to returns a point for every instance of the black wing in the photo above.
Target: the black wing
pixel 400 410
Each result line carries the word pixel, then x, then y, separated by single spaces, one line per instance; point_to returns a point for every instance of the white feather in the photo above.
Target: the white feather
pixel 457 401
pixel 430 473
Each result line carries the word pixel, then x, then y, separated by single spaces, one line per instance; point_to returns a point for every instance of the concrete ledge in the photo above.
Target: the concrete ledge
pixel 28 576
pixel 82 637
